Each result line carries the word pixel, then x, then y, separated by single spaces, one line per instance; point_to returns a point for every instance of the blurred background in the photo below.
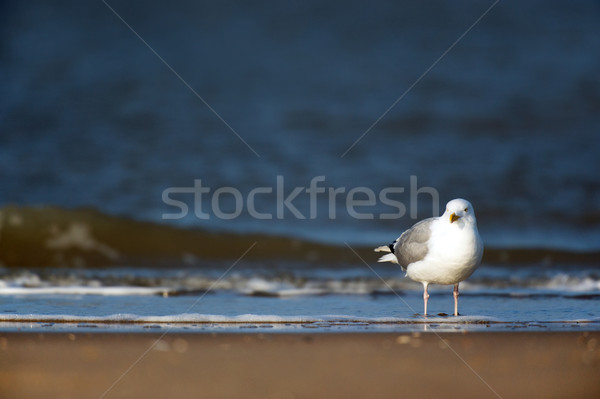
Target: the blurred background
pixel 509 118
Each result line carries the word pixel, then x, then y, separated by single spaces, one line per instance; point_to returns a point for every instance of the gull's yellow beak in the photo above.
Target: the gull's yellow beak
pixel 454 218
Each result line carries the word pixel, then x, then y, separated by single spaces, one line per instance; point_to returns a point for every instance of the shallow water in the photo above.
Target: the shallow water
pixel 319 300
pixel 222 312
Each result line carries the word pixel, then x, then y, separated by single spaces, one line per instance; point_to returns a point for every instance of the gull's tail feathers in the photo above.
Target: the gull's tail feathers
pixel 383 248
pixel 388 258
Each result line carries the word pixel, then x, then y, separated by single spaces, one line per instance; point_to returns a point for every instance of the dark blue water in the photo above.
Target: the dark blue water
pixel 509 118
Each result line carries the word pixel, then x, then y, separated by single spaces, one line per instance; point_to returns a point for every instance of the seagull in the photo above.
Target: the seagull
pixel 439 250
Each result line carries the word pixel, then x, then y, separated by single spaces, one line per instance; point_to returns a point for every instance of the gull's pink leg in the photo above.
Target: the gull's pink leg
pixel 425 297
pixel 456 299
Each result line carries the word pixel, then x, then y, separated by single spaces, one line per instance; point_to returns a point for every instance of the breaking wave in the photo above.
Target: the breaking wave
pixel 48 236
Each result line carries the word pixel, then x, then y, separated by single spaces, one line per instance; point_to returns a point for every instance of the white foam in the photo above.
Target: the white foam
pixel 179 318
pixel 191 318
pixel 353 282
pixel 82 290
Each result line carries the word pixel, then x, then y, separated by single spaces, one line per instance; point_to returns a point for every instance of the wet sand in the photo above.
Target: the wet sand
pixel 374 365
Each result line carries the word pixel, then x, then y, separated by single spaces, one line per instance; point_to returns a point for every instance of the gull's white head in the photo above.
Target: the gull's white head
pixel 459 210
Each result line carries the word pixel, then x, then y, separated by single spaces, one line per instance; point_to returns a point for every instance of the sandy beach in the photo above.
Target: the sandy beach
pixel 376 365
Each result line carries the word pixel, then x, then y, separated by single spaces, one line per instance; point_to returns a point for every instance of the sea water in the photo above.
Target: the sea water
pixel 508 119
pixel 96 131
pixel 324 300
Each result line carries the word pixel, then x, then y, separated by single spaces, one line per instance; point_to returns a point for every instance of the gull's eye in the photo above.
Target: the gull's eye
pixel 466 209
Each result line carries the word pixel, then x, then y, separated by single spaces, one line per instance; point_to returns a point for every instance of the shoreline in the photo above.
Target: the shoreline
pixel 295 365
pixel 288 326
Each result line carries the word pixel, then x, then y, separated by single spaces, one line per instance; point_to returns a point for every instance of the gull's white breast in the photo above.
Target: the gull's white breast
pixel 455 250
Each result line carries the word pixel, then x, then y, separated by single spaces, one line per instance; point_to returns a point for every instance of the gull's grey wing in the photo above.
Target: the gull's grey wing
pixel 412 246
